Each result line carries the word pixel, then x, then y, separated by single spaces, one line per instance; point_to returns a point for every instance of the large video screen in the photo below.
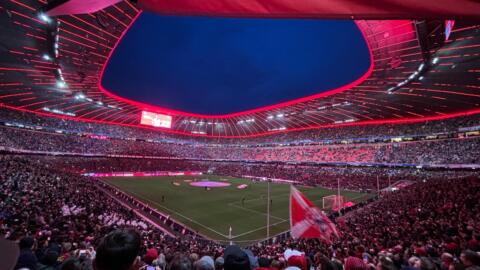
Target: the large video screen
pixel 156 119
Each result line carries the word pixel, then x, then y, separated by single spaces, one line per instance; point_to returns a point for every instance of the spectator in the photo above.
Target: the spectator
pixel 118 250
pixel 27 258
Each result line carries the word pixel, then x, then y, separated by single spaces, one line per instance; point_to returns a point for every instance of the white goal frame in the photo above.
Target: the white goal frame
pixel 332 202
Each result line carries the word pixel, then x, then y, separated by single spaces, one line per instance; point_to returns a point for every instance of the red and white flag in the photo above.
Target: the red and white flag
pixel 307 221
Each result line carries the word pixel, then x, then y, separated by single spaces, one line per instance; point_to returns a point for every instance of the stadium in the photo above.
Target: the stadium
pixel 239 135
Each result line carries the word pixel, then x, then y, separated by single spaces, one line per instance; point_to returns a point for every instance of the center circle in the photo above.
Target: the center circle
pixel 209 184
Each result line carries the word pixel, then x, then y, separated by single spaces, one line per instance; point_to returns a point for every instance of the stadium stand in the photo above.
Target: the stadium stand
pixel 424 221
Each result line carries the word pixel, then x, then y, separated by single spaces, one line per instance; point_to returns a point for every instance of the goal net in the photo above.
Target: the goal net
pixel 332 202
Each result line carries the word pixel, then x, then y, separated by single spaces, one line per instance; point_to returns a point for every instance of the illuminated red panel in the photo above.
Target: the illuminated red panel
pixel 156 120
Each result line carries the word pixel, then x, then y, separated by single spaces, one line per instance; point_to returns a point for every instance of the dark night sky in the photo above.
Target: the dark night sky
pixel 219 65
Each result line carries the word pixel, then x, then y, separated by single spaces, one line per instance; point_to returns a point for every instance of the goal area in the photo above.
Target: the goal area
pixel 332 202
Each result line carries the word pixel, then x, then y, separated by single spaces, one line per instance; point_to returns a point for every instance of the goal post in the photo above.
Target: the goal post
pixel 332 202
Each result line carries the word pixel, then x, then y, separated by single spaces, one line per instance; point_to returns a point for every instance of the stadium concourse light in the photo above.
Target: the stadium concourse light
pixel 61 84
pixel 420 68
pixel 46 57
pixel 79 96
pixel 43 17
pixel 435 60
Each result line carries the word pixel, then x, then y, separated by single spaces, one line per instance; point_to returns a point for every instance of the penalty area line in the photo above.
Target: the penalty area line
pixel 177 213
pixel 261 228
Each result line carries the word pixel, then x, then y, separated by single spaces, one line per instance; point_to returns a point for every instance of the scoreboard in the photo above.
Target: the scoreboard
pixel 156 119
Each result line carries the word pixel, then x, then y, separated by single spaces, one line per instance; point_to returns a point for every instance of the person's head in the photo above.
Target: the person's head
pixel 414 262
pixel 180 262
pixel 219 263
pixel 193 257
pixel 446 257
pixel 118 250
pixel 427 264
pixel 49 258
pixel 276 264
pixel 470 258
pixel 263 262
pixel 385 263
pixel 26 242
pixel 76 264
pixel 235 259
pixel 160 261
pixel 205 263
pixel 456 266
pixel 323 263
pixel 150 256
pixel 354 263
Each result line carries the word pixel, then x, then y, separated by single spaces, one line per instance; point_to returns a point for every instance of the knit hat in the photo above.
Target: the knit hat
pixel 295 258
pixel 206 262
pixel 151 255
pixel 354 263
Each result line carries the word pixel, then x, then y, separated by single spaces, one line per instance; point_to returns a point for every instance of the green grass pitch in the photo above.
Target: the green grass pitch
pixel 212 212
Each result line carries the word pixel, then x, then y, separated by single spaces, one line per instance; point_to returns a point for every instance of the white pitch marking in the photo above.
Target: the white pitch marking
pixel 245 233
pixel 187 218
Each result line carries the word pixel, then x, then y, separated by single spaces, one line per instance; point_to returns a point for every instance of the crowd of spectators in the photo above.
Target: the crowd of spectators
pixel 65 221
pixel 461 150
pixel 58 135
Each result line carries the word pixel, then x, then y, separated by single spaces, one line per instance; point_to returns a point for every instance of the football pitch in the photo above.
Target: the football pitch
pixel 211 212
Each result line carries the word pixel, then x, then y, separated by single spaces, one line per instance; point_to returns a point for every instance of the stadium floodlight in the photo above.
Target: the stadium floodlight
pixel 270 117
pixel 420 78
pixel 100 103
pixel 435 60
pixel 280 115
pixel 43 17
pixel 420 68
pixel 46 57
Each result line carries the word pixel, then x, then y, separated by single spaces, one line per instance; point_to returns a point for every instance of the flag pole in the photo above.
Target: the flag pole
pixel 268 209
pixel 378 186
pixel 338 195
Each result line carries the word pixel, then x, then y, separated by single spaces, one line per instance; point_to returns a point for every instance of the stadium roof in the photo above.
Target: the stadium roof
pixel 54 67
